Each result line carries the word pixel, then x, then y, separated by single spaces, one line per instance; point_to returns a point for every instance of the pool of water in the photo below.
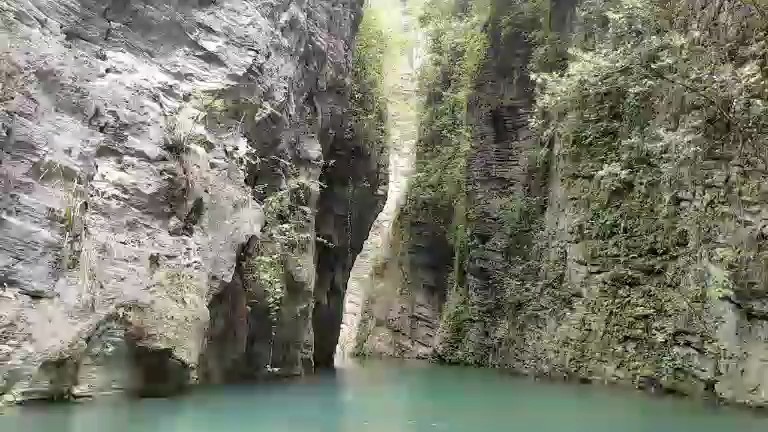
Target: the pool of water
pixel 385 396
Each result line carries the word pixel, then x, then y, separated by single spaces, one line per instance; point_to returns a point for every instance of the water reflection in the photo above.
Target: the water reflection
pixel 389 397
pixel 385 405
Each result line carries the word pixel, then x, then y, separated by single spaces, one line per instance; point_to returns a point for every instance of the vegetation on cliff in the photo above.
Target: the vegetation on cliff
pixel 456 50
pixel 641 225
pixel 460 38
pixel 659 118
pixel 368 99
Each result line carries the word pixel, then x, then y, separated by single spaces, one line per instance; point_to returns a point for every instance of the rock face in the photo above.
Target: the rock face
pixel 648 271
pixel 143 145
pixel 374 281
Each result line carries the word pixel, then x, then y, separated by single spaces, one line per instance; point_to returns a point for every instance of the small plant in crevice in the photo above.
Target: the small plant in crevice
pixel 268 272
pixel 178 139
pixel 72 224
pixel 175 139
pixel 183 143
pixel 287 232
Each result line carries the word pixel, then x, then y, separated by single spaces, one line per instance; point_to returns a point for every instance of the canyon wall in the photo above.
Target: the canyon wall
pixel 183 192
pixel 607 219
pixel 187 185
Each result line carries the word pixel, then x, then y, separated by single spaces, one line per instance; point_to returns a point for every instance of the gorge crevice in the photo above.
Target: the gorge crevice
pixel 209 192
pixel 376 270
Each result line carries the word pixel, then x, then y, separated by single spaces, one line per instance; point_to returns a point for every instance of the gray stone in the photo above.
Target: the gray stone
pixel 102 221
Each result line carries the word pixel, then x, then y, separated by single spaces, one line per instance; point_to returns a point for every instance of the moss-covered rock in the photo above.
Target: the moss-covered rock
pixel 600 173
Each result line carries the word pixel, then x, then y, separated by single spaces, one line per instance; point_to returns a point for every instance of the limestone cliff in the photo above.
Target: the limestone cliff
pixel 181 189
pixel 605 218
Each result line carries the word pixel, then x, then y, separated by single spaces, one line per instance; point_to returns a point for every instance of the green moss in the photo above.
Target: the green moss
pixel 268 271
pixel 642 126
pixel 368 99
pixel 373 53
pixel 178 284
pixel 454 325
pixel 457 50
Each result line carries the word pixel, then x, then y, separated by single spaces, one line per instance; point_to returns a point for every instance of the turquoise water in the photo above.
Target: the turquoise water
pixel 391 397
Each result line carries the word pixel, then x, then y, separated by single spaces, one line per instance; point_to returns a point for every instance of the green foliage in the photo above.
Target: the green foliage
pixel 368 99
pixel 368 63
pixel 287 215
pixel 643 97
pixel 287 228
pixel 454 327
pixel 520 214
pixel 267 270
pixel 638 58
pixel 457 50
pixel 657 101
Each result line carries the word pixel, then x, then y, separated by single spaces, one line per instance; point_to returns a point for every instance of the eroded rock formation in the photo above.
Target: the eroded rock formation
pixel 152 152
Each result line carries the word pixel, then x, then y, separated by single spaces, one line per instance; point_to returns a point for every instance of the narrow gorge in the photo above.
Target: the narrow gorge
pixel 226 191
pixel 376 269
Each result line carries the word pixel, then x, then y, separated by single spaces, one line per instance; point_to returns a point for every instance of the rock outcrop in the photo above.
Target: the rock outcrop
pixel 151 151
pixel 619 238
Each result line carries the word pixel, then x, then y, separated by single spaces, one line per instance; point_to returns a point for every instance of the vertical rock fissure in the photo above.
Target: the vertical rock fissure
pixel 402 127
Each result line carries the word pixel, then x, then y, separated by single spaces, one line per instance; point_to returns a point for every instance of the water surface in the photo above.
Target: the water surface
pixel 379 396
